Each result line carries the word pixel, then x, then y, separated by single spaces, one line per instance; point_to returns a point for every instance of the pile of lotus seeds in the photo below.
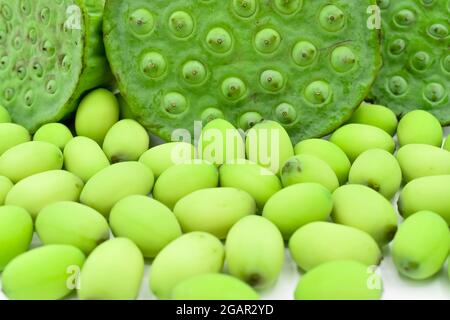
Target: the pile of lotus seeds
pixel 101 202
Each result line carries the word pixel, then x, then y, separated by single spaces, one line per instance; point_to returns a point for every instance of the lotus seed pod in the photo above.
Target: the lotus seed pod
pixel 340 280
pixel 114 183
pixel 259 182
pixel 297 205
pixel 113 271
pixel 422 160
pixel 16 231
pixel 190 255
pixel 363 208
pixel 4 115
pixel 306 168
pixel 127 140
pixel 5 186
pixel 354 139
pixel 377 116
pixel 320 242
pixel 145 221
pixel 180 180
pixel 328 152
pixel 166 155
pixel 254 252
pixel 30 158
pixel 427 193
pixel 12 135
pixel 42 189
pixel 221 142
pixel 45 273
pixel 96 114
pixel 419 127
pixel 73 224
pixel 213 286
pixel 213 210
pixel 268 144
pixel 379 170
pixel 84 158
pixel 54 133
pixel 447 144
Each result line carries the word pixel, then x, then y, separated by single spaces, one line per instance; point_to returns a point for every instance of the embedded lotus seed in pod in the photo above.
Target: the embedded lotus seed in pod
pixel 377 116
pixel 180 180
pixel 233 89
pixel 379 170
pixel 84 158
pixel 45 273
pixel 420 246
pixel 127 140
pixel 96 114
pixel 16 231
pixel 447 144
pixel 11 135
pixel 4 115
pixel 73 224
pixel 354 139
pixel 297 205
pixel 39 190
pixel 363 208
pixel 249 120
pixel 221 142
pixel 254 252
pixel 426 193
pixel 419 127
pixel 259 182
pixel 190 255
pixel 213 210
pixel 422 160
pixel 145 221
pixel 213 286
pixel 181 24
pixel 54 133
pixel 332 18
pixel 30 158
pixel 113 271
pixel 194 72
pixel 114 183
pixel 306 168
pixel 245 8
pixel 343 59
pixel 5 186
pixel 340 280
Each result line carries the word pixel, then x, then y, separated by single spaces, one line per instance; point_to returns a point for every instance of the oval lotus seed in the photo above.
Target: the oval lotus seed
pixel 219 40
pixel 194 72
pixel 48 48
pixel 286 113
pixel 446 63
pixel 51 86
pixel 45 15
pixel 271 80
pixel 21 72
pixel 249 120
pixel 233 88
pixel 244 8
pixel 211 114
pixel 153 65
pixel 267 40
pixel 318 92
pixel 38 70
pixel 397 46
pixel 66 63
pixel 181 24
pixel 288 6
pixel 398 85
pixel 343 59
pixel 438 31
pixel 420 60
pixel 174 103
pixel 332 18
pixel 434 92
pixel 29 98
pixel 141 21
pixel 405 18
pixel 304 53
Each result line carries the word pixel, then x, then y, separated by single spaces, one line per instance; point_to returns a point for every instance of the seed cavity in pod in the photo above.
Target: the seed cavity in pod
pixel 9 94
pixel 4 62
pixel 438 31
pixel 332 18
pixel 286 113
pixel 32 35
pixel 174 103
pixel 17 43
pixel 288 6
pixel 420 60
pixel 383 4
pixel 141 21
pixel 427 2
pixel 267 40
pixel 25 7
pixel 271 80
pixel 249 120
pixel 219 40
pixel 21 71
pixel 153 64
pixel 446 63
pixel 3 36
pixel 211 114
pixel 66 63
pixel 397 85
pixel 45 15
pixel 194 72
pixel 29 98
pixel 397 46
pixel 6 11
pixel 51 86
pixel 343 59
pixel 304 53
pixel 181 24
pixel 405 18
pixel 318 92
pixel 245 8
pixel 434 92
pixel 48 48
pixel 233 88
pixel 38 71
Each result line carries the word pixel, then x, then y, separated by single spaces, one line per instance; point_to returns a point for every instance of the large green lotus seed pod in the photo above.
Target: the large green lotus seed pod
pixel 45 273
pixel 55 133
pixel 305 65
pixel 11 135
pixel 51 52
pixel 377 116
pixel 5 186
pixel 416 58
pixel 4 115
pixel 419 127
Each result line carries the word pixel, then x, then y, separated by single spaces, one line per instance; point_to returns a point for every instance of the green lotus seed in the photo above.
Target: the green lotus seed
pixel 141 21
pixel 4 115
pixel 271 80
pixel 175 103
pixel 343 59
pixel 446 63
pixel 318 92
pixel 286 113
pixel 397 85
pixel 194 72
pixel 377 116
pixel 211 114
pixel 304 53
pixel 332 18
pixel 405 18
pixel 438 31
pixel 54 133
pixel 249 120
pixel 419 127
pixel 434 92
pixel 397 46
pixel 181 24
pixel 420 60
pixel 5 186
pixel 245 8
pixel 153 64
pixel 233 88
pixel 219 40
pixel 288 6
pixel 267 40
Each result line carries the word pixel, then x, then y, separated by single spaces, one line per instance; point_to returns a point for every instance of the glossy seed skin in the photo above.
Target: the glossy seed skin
pixel 377 116
pixel 419 127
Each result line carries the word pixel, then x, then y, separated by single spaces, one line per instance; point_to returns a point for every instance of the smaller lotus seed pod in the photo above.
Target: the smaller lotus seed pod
pixel 259 182
pixel 54 133
pixel 42 189
pixel 30 158
pixel 113 271
pixel 5 186
pixel 320 242
pixel 72 223
pixel 97 113
pixel 16 231
pixel 11 135
pixel 213 286
pixel 421 245
pixel 254 252
pixel 421 127
pixel 146 222
pixel 84 158
pixel 340 280
pixel 423 160
pixel 127 140
pixel 180 180
pixel 377 116
pixel 213 210
pixel 379 170
pixel 45 273
pixel 297 205
pixel 447 144
pixel 4 115
pixel 354 139
pixel 114 183
pixel 190 255
pixel 363 208
pixel 269 145
pixel 306 168
pixel 221 142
